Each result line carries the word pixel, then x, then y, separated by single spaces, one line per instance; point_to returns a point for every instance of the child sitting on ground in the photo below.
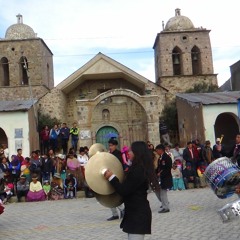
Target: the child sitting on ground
pixel 8 189
pixel 47 188
pixel 70 190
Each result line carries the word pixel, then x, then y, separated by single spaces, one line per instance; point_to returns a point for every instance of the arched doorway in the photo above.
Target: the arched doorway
pixel 125 114
pixel 105 133
pixel 3 137
pixel 226 124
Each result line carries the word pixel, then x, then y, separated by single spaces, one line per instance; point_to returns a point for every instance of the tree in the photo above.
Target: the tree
pixel 169 113
pixel 203 88
pixel 46 120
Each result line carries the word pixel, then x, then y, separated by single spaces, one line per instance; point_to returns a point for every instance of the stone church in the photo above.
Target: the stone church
pixel 103 96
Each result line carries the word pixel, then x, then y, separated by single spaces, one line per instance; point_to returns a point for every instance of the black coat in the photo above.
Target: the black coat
pixel 47 165
pixel 138 216
pixel 187 156
pixel 164 168
pixel 118 155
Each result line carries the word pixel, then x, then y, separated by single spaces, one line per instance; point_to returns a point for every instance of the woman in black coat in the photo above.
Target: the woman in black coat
pixel 138 216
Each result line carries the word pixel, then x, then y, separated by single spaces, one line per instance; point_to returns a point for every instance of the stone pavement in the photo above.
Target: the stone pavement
pixel 193 216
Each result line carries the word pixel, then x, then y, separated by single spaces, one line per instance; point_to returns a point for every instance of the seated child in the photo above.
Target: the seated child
pixel 200 171
pixel 35 192
pixel 8 189
pixel 70 190
pixel 47 189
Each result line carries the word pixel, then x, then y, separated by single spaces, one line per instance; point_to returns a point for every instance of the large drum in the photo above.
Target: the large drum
pixel 223 176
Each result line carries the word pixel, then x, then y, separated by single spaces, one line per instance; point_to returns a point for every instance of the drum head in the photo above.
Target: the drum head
pixel 223 176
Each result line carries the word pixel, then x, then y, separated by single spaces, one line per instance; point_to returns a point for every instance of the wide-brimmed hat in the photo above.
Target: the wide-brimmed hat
pixel 57 175
pixel 61 156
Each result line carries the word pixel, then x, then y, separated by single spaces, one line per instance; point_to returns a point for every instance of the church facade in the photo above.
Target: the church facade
pixel 104 97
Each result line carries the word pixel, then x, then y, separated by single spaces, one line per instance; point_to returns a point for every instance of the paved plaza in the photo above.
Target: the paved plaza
pixel 193 216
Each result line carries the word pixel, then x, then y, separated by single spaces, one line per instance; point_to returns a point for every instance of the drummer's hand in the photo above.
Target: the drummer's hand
pixel 108 174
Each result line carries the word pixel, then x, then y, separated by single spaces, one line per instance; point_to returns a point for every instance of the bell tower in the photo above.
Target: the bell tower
pixel 25 61
pixel 183 55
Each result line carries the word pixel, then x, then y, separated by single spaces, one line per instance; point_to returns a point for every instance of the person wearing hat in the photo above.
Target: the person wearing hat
pixel 47 188
pixel 35 192
pixel 60 165
pixel 74 167
pixel 22 187
pixel 25 168
pixel 56 191
pixel 218 149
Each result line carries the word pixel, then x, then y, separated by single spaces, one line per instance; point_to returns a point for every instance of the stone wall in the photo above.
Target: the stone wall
pixel 55 104
pixel 22 92
pixel 177 84
pixel 39 59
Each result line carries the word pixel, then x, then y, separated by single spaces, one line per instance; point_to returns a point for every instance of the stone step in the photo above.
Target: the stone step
pixel 13 199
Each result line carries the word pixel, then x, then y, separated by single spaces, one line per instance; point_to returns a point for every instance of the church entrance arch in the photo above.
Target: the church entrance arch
pixel 105 133
pixel 123 112
pixel 3 137
pixel 226 124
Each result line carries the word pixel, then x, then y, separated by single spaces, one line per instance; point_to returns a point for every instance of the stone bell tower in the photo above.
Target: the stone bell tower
pixel 25 61
pixel 183 55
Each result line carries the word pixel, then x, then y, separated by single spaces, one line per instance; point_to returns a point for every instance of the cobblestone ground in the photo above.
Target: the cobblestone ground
pixel 193 215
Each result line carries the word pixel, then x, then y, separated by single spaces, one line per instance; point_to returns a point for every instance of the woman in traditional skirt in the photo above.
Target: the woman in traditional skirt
pixel 74 167
pixel 35 192
pixel 56 192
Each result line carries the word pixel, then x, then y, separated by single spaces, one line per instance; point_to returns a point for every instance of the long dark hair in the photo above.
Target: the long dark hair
pixel 143 157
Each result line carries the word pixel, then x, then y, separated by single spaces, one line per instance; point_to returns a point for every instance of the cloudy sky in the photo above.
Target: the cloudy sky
pixel 125 30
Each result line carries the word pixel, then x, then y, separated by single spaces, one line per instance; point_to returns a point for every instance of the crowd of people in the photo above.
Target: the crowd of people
pixel 43 176
pixel 48 176
pixel 190 162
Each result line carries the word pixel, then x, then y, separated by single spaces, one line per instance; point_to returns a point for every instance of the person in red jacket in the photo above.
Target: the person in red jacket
pixel 44 136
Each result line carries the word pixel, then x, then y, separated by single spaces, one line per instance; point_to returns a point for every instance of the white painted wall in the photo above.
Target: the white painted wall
pixel 9 121
pixel 210 113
